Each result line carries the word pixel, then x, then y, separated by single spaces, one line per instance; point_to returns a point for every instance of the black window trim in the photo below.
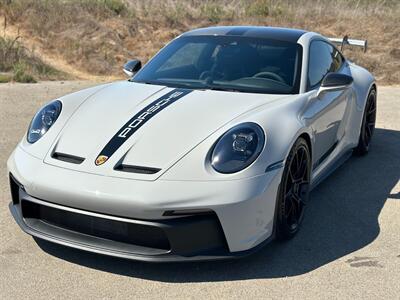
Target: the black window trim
pixel 344 61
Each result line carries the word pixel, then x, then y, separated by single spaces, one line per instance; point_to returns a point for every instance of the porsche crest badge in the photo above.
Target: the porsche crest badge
pixel 101 159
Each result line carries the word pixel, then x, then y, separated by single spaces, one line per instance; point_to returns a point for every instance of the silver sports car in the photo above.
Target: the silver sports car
pixel 209 151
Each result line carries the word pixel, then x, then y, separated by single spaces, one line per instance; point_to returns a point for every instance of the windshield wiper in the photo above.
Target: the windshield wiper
pixel 144 82
pixel 190 86
pixel 171 84
pixel 217 88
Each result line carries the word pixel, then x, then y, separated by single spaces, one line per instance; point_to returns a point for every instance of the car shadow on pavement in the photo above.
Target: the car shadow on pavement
pixel 342 217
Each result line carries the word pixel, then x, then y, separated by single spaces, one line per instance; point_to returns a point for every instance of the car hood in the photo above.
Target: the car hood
pixel 142 129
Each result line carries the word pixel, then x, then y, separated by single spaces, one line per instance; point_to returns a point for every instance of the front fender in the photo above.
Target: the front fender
pixel 282 125
pixel 70 104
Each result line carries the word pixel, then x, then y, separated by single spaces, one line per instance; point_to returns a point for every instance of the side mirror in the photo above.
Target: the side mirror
pixel 334 82
pixel 131 67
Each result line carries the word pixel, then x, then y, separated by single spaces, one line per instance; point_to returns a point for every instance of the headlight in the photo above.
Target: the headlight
pixel 43 120
pixel 238 148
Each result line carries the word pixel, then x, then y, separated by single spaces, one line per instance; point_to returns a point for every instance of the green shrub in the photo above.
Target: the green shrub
pixel 258 8
pixel 116 6
pixel 16 59
pixel 20 74
pixel 5 78
pixel 10 52
pixel 99 7
pixel 213 12
pixel 175 14
pixel 264 8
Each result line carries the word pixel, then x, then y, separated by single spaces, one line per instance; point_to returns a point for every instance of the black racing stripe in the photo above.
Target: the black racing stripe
pixel 262 32
pixel 237 31
pixel 139 120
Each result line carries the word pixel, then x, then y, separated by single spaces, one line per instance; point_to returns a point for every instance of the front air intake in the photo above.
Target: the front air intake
pixel 14 188
pixel 68 158
pixel 137 169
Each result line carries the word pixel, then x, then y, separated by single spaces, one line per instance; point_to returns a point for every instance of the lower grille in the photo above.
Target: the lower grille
pixel 195 233
pixel 112 230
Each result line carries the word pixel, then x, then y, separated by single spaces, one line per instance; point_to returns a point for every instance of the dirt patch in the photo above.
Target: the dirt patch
pixel 95 37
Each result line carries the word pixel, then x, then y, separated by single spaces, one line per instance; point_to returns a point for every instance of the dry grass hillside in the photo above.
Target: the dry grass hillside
pixel 93 38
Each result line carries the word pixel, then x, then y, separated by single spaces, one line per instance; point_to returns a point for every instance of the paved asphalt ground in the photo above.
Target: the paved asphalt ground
pixel 349 246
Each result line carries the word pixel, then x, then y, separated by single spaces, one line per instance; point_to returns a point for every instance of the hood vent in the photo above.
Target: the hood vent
pixel 68 158
pixel 137 169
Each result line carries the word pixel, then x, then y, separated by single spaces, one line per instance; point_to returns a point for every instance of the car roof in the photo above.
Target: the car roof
pixel 276 33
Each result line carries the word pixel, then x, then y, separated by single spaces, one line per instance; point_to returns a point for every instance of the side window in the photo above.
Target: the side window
pixel 324 58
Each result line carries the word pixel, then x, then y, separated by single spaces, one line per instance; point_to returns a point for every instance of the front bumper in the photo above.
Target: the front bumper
pixel 109 212
pixel 185 238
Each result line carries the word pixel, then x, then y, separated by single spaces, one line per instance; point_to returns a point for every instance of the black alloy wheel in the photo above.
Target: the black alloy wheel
pixel 368 125
pixel 294 190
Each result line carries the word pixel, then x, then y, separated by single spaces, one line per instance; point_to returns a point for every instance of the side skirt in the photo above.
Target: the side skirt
pixel 336 164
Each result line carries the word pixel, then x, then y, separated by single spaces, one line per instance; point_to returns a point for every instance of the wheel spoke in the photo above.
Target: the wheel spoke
pixel 303 170
pixel 371 129
pixel 293 211
pixel 288 195
pixel 290 209
pixel 297 199
pixel 303 190
pixel 297 162
pixel 371 106
pixel 291 176
pixel 368 132
pixel 303 182
pixel 370 117
pixel 301 158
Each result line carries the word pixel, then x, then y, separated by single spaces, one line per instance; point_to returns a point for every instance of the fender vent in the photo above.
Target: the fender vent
pixel 68 158
pixel 137 169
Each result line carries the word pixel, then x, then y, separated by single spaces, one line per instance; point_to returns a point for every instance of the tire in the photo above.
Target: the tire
pixel 367 125
pixel 293 191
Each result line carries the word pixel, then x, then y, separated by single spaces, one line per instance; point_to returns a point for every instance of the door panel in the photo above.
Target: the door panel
pixel 325 113
pixel 327 119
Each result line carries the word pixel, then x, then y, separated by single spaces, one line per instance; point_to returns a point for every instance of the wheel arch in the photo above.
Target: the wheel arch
pixel 304 134
pixel 372 87
pixel 307 138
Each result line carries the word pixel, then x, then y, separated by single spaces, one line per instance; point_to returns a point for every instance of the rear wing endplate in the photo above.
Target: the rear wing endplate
pixel 346 41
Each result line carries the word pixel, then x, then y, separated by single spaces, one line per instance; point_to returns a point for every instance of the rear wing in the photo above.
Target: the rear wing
pixel 346 41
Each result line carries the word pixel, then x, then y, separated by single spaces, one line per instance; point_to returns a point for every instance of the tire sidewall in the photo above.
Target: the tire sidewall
pixel 363 146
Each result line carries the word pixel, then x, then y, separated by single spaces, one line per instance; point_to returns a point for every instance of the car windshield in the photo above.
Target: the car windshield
pixel 231 63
